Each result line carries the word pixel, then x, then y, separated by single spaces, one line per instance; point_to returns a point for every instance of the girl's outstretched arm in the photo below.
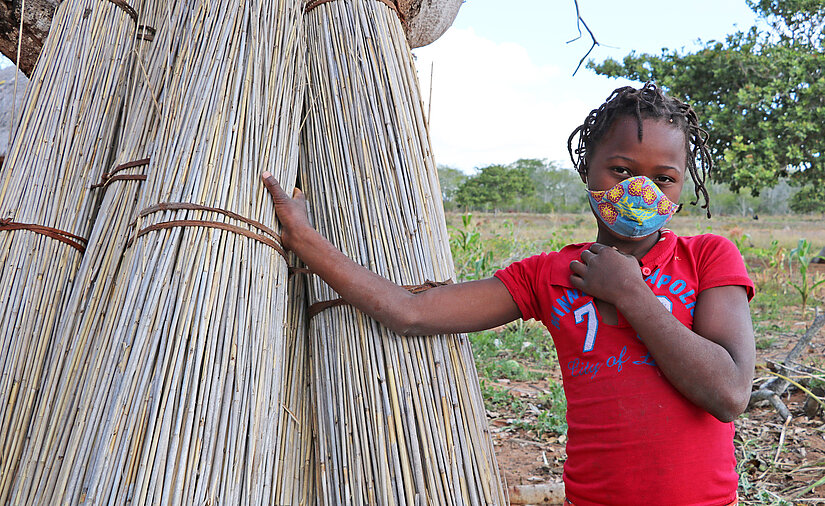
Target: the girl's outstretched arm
pixel 461 307
pixel 711 364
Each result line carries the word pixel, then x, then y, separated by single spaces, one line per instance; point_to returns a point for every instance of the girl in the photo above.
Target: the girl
pixel 653 331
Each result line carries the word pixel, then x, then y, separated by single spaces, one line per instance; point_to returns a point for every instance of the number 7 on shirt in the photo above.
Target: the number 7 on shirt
pixel 589 311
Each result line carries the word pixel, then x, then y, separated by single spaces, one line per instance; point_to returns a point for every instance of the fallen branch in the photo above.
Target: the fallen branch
pixel 773 398
pixel 544 494
pixel 772 389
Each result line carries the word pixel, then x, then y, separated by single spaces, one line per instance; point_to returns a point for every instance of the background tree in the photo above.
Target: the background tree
pixel 760 94
pixel 451 179
pixel 495 187
pixel 556 189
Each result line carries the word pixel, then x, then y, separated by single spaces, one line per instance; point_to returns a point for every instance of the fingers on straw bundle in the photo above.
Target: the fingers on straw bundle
pixel 401 420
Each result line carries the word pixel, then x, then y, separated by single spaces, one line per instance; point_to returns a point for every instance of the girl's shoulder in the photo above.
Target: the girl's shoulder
pixel 549 263
pixel 717 261
pixel 700 242
pixel 563 256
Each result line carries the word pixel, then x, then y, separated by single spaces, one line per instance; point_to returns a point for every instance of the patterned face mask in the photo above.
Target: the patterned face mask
pixel 635 207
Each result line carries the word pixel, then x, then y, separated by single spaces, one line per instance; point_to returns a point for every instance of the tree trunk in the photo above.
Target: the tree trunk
pixel 36 22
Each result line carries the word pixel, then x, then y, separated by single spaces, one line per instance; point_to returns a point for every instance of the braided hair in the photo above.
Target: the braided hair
pixel 648 102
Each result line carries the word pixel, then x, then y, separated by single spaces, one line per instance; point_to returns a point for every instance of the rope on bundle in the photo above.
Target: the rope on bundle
pixel 389 3
pixel 146 32
pixel 143 32
pixel 108 177
pixel 274 243
pixel 128 9
pixel 318 307
pixel 75 241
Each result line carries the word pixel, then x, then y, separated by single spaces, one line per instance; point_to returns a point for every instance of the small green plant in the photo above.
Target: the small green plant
pixel 472 259
pixel 521 351
pixel 551 419
pixel 763 343
pixel 802 255
pixel 499 399
pixel 741 239
pixel 774 255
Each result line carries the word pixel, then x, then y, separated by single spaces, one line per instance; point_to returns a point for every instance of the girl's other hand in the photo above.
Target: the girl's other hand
pixel 605 273
pixel 291 212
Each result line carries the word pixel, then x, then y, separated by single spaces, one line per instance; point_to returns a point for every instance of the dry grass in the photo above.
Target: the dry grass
pixel 582 227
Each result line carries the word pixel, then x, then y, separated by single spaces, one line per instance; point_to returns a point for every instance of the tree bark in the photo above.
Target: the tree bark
pixel 36 22
pixel 426 20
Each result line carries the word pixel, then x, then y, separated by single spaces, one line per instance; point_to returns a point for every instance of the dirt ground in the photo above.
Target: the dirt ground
pixel 777 462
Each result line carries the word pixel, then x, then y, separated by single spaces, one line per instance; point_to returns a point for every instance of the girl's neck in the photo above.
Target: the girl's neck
pixel 635 247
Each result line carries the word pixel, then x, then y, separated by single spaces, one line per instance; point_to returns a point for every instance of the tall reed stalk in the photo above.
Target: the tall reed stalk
pixel 295 481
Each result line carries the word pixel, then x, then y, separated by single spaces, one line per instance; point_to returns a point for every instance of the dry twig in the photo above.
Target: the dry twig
pixel 773 389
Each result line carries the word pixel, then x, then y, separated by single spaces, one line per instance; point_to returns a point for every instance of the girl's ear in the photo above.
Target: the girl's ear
pixel 583 175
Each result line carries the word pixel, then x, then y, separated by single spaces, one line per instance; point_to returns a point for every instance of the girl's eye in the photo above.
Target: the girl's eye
pixel 620 170
pixel 664 179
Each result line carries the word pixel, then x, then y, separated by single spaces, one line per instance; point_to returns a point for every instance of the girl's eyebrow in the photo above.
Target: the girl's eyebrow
pixel 627 158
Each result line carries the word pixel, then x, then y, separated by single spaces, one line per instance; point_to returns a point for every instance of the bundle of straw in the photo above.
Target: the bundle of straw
pixel 72 377
pixel 191 409
pixel 401 420
pixel 295 480
pixel 60 145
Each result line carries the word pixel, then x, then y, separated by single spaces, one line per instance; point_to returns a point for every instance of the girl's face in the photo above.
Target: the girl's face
pixel 661 156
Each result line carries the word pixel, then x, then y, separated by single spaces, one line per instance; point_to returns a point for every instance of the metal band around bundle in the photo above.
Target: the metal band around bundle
pixel 146 33
pixel 389 3
pixel 75 241
pixel 319 307
pixel 128 9
pixel 113 175
pixel 273 241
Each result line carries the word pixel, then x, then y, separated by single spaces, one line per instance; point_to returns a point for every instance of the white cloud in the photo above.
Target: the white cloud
pixel 492 104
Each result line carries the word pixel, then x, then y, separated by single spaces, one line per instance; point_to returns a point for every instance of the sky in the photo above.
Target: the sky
pixel 502 75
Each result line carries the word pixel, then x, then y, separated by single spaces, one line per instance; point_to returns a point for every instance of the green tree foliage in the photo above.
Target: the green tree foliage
pixel 451 179
pixel 557 189
pixel 760 94
pixel 495 187
pixel 526 185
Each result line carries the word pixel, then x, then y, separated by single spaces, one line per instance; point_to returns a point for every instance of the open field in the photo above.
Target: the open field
pixel 779 463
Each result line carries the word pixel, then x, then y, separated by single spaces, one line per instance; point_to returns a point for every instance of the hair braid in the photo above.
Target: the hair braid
pixel 647 102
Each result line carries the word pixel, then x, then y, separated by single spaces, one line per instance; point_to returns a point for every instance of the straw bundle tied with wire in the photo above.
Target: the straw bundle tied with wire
pixel 401 420
pixel 60 145
pixel 72 377
pixel 190 405
pixel 295 480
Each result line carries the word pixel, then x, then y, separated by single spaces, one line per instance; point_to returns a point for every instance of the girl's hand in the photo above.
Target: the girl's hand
pixel 291 212
pixel 456 308
pixel 606 274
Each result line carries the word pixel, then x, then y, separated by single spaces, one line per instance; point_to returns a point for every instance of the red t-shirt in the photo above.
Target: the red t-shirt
pixel 632 437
